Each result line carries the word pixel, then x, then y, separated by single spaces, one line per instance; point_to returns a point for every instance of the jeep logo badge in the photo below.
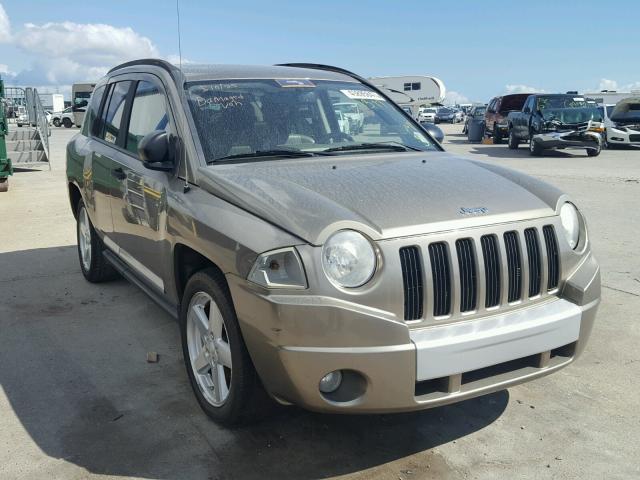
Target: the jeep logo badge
pixel 473 210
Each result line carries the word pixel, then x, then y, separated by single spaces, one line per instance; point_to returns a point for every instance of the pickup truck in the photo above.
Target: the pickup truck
pixel 556 121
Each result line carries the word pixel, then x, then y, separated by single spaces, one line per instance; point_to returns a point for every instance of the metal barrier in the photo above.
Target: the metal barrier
pixel 40 121
pixel 16 103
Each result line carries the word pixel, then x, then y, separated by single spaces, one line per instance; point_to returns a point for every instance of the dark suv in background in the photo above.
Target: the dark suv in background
pixel 495 117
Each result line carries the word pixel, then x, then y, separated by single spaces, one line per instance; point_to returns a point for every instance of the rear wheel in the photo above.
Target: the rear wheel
pixel 4 184
pixel 220 370
pixel 67 123
pixel 94 266
pixel 513 141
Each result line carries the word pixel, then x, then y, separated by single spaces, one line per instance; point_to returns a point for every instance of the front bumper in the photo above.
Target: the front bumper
pixel 571 139
pixel 623 137
pixel 294 340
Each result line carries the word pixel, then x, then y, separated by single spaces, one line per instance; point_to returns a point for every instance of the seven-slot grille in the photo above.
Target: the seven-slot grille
pixel 484 267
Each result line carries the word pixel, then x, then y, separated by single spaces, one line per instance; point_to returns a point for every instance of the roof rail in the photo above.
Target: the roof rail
pixel 146 61
pixel 320 66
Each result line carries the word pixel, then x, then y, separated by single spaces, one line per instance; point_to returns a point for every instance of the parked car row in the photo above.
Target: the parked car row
pixel 558 121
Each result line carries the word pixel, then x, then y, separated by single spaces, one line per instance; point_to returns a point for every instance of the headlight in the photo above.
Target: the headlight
pixel 570 219
pixel 348 259
pixel 279 269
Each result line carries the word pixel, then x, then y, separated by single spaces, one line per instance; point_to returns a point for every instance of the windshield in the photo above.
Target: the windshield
pixel 628 112
pixel 568 109
pixel 444 111
pixel 247 117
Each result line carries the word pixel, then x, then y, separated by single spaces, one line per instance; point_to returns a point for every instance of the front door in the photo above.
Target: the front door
pixel 139 203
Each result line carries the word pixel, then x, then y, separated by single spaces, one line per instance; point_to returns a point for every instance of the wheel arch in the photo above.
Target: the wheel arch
pixel 74 198
pixel 186 262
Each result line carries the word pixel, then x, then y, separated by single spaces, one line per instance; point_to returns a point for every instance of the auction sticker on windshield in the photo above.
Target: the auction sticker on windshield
pixel 294 82
pixel 362 95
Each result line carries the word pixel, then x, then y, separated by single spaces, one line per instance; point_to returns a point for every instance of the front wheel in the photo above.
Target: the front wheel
pixel 220 370
pixel 56 122
pixel 4 184
pixel 535 149
pixel 513 141
pixel 94 266
pixel 594 152
pixel 497 136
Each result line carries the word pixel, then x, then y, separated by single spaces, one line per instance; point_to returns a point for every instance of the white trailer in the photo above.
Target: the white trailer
pixel 53 102
pixel 412 91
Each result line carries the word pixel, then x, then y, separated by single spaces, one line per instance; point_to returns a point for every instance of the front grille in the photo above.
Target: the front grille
pixel 491 256
pixel 488 271
pixel 441 278
pixel 467 267
pixel 412 280
pixel 634 137
pixel 533 252
pixel 553 257
pixel 514 264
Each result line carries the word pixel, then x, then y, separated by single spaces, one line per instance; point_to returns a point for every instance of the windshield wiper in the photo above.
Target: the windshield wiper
pixel 395 146
pixel 264 153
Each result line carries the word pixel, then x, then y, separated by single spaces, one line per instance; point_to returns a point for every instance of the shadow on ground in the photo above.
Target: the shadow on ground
pixel 73 367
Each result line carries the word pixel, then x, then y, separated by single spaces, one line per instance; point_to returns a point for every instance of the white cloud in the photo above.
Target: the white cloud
pixel 519 88
pixel 5 26
pixel 4 68
pixel 606 84
pixel 68 52
pixel 455 98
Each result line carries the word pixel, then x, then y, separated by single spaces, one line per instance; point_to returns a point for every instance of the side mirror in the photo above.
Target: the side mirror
pixel 435 131
pixel 155 151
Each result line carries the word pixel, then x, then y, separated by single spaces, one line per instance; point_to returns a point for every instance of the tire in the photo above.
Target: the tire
pixel 513 141
pixel 94 266
pixel 56 122
pixel 535 149
pixel 19 124
pixel 497 138
pixel 236 395
pixel 594 152
pixel 67 123
pixel 4 184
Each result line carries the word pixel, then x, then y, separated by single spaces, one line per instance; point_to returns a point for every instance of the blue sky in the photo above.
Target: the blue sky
pixel 479 49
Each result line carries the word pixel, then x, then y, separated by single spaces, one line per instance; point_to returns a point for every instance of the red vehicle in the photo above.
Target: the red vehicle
pixel 495 117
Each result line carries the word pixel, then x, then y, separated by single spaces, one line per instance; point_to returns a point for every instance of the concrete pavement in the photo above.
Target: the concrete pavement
pixel 78 399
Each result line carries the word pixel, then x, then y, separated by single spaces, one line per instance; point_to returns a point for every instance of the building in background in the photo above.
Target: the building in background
pixel 610 97
pixel 412 91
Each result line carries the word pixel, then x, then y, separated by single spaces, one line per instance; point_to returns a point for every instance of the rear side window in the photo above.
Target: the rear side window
pixel 148 113
pixel 90 123
pixel 112 113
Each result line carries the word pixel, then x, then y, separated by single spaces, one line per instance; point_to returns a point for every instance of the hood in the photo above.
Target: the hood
pixel 382 195
pixel 620 112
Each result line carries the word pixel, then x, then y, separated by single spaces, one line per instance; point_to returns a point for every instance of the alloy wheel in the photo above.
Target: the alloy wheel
pixel 84 239
pixel 209 349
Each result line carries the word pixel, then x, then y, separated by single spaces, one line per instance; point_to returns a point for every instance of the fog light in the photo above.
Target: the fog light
pixel 330 382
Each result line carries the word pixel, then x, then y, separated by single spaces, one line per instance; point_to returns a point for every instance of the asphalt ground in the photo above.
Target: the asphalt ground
pixel 79 400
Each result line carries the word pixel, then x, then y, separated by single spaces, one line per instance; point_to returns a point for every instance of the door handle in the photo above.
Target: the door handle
pixel 119 173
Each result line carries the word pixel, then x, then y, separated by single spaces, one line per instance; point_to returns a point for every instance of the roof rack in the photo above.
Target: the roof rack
pixel 156 62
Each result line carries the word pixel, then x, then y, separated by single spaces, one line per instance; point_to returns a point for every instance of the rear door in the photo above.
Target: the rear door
pixel 139 202
pixel 489 115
